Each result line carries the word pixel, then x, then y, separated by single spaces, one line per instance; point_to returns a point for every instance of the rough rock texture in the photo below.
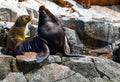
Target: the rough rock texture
pixel 116 55
pixel 55 73
pixel 94 33
pixel 95 27
pixel 32 30
pixel 7 15
pixel 3 34
pixel 33 13
pixel 7 64
pixel 27 63
pixel 83 66
pixel 104 52
pixel 107 69
pixel 76 46
pixel 98 79
pixel 91 68
pixel 57 69
pixel 116 8
pixel 15 77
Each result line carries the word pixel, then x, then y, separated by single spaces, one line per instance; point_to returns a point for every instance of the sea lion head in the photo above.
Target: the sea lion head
pixel 42 7
pixel 22 20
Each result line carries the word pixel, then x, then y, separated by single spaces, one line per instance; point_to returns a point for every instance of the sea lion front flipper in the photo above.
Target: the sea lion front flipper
pixel 42 55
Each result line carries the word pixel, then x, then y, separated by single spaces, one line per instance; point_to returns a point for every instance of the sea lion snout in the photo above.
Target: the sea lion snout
pixel 27 18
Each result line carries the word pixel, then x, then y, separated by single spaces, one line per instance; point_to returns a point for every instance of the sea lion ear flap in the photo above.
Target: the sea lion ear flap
pixel 42 7
pixel 43 54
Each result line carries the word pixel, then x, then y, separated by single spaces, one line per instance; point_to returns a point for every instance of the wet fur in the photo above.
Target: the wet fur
pixel 50 29
pixel 35 44
pixel 16 33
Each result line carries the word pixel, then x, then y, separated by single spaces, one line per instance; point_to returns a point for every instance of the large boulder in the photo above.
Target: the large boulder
pixel 95 69
pixel 76 46
pixel 7 64
pixel 27 62
pixel 83 66
pixel 15 77
pixel 107 68
pixel 95 33
pixel 53 73
pixel 7 15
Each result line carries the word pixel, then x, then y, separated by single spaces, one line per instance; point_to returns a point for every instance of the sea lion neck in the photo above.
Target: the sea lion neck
pixel 19 25
pixel 42 18
pixel 22 21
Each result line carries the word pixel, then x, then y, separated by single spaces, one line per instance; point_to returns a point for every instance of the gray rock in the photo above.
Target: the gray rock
pixel 83 66
pixel 107 68
pixel 76 46
pixel 33 12
pixel 54 59
pixel 3 34
pixel 26 63
pixel 55 73
pixel 95 33
pixel 101 69
pixel 105 52
pixel 98 33
pixel 98 79
pixel 33 30
pixel 7 15
pixel 7 64
pixel 116 8
pixel 15 77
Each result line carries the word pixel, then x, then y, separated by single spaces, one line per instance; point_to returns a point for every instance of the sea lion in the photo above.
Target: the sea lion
pixel 18 45
pixel 16 33
pixel 50 29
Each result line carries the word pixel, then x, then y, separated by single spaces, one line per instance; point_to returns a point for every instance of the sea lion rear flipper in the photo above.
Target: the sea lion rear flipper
pixel 40 58
pixel 42 55
pixel 66 50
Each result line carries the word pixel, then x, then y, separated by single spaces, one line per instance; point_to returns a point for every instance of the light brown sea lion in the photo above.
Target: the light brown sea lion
pixel 18 45
pixel 16 33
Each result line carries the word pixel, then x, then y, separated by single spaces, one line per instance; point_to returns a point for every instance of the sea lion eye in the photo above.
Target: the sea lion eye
pixel 27 18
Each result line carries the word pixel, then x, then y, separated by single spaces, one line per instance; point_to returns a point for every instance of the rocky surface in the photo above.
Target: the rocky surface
pixel 7 64
pixel 60 69
pixel 55 73
pixel 91 31
pixel 15 77
pixel 7 15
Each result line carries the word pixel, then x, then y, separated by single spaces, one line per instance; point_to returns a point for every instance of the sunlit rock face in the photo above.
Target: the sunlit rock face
pixel 7 15
pixel 98 33
pixel 94 28
pixel 88 3
pixel 7 65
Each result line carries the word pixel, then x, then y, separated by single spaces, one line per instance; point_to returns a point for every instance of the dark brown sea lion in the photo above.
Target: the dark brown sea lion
pixel 35 44
pixel 51 30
